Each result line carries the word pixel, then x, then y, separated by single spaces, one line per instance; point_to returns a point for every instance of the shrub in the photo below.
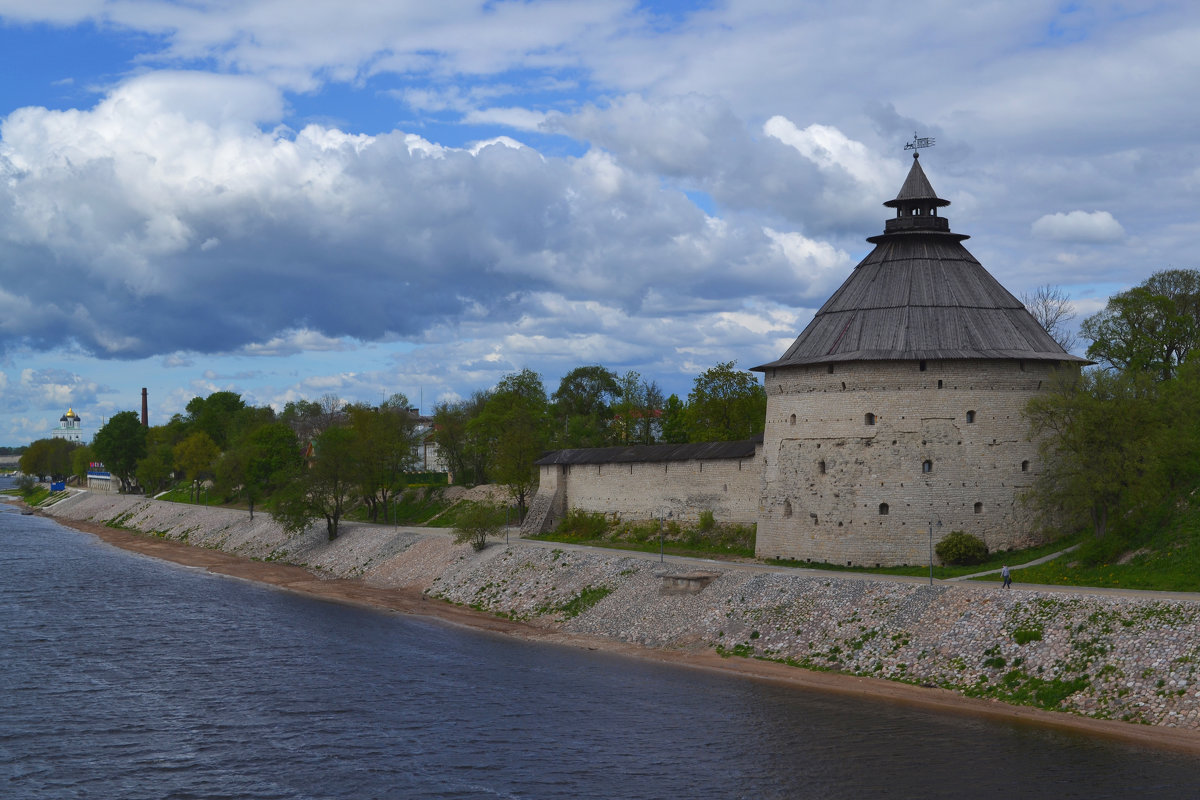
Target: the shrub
pixel 580 524
pixel 960 548
pixel 476 523
pixel 707 521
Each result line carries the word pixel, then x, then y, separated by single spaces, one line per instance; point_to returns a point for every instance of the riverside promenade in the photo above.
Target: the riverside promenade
pixel 1099 655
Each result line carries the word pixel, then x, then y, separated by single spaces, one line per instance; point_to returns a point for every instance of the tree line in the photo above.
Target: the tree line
pixel 1121 438
pixel 315 460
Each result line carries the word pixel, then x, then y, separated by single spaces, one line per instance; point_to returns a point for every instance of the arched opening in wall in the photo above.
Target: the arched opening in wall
pixel 869 419
pixel 927 466
pixel 883 509
pixel 787 508
pixel 792 419
pixel 843 386
pixel 922 366
pixel 821 467
pixel 979 508
pixel 970 416
pixel 940 384
pixel 1024 466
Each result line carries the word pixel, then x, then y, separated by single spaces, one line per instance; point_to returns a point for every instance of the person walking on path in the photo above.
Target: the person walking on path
pixel 1007 577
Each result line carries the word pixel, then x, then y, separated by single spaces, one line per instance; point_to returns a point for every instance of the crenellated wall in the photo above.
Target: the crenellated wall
pixel 860 457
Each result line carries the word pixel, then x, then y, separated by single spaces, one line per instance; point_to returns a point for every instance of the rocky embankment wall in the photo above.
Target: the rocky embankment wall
pixel 1123 658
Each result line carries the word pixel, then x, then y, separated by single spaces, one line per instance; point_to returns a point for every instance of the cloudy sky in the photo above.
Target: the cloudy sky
pixel 289 199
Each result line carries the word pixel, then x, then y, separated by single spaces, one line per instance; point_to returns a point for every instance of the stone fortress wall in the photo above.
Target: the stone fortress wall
pixel 860 457
pixel 679 490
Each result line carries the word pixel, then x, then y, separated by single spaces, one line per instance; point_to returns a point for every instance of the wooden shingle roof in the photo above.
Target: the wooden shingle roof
pixel 695 451
pixel 920 295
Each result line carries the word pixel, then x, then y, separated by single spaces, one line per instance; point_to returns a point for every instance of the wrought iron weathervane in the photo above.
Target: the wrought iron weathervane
pixel 918 142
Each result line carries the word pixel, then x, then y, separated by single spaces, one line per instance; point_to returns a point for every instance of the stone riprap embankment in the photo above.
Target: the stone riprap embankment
pixel 1111 657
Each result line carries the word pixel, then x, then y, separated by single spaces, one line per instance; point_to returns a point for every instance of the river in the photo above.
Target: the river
pixel 126 677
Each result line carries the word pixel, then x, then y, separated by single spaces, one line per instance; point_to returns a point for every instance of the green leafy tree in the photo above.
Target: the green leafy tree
pixel 674 427
pixel 120 444
pixel 155 471
pixel 215 415
pixel 477 523
pixel 324 488
pixel 81 461
pixel 387 445
pixel 1098 433
pixel 463 448
pixel 1152 327
pixel 583 407
pixel 49 458
pixel 304 417
pixel 196 456
pixel 260 462
pixel 725 404
pixel 515 424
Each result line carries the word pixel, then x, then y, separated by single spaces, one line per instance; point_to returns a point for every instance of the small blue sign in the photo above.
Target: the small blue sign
pixel 61 486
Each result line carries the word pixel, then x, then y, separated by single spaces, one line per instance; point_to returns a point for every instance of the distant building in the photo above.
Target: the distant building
pixel 70 427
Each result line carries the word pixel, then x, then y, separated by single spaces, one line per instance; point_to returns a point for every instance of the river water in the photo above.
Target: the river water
pixel 126 677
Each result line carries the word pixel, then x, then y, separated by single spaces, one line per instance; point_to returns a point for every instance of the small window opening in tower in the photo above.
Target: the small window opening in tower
pixel 923 365
pixel 792 419
pixel 829 368
pixel 1021 366
pixel 979 508
pixel 883 509
pixel 787 508
pixel 939 384
pixel 869 419
pixel 970 416
pixel 926 466
pixel 821 467
pixel 1024 466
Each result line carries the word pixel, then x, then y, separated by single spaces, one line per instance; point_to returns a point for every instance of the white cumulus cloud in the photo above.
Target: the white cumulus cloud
pixel 1079 226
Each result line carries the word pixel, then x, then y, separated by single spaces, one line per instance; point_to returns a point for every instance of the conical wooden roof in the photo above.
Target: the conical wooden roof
pixel 920 295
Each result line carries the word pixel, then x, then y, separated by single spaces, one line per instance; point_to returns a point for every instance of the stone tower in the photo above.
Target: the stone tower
pixel 898 409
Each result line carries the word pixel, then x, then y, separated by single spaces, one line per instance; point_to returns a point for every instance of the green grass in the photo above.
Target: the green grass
pixel 1167 558
pixel 707 539
pixel 994 562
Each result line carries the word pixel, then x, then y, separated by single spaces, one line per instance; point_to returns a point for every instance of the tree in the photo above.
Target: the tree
pixel 673 426
pixel 154 472
pixel 323 488
pixel 120 444
pixel 515 424
pixel 1053 310
pixel 1098 434
pixel 1152 327
pixel 463 448
pixel 215 415
pixel 478 522
pixel 196 455
pixel 304 418
pixel 386 443
pixel 50 458
pixel 81 461
pixel 583 407
pixel 260 462
pixel 725 404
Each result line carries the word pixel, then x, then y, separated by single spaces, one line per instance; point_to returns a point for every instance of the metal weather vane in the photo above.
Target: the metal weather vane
pixel 918 142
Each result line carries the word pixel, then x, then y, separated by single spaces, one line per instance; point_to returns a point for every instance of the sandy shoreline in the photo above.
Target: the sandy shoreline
pixel 412 601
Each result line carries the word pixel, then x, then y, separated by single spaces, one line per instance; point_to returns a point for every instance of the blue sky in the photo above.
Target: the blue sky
pixel 291 199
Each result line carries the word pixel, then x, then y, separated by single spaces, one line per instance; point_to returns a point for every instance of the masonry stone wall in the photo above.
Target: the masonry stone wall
pixel 727 487
pixel 861 458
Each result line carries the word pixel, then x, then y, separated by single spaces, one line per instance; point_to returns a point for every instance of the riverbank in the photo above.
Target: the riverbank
pixel 1102 658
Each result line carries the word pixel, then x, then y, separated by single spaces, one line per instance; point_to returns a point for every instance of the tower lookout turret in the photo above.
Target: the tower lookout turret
pixel 898 408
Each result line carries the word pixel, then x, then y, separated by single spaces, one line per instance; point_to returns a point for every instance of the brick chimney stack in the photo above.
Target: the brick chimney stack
pixel 145 410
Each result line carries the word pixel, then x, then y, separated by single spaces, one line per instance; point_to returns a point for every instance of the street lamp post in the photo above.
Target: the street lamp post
pixel 939 524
